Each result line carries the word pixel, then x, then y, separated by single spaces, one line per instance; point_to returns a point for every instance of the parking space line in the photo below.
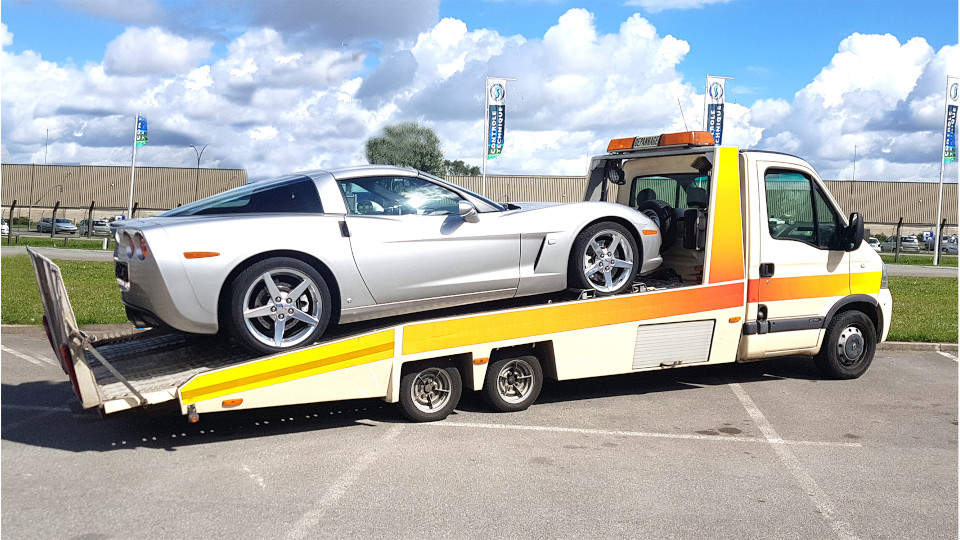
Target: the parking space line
pixel 615 433
pixel 789 459
pixel 947 355
pixel 32 359
pixel 303 528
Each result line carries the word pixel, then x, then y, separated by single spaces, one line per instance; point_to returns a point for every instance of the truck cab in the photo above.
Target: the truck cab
pixel 811 283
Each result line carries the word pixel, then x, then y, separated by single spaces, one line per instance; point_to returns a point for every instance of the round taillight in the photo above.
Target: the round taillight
pixel 140 244
pixel 127 245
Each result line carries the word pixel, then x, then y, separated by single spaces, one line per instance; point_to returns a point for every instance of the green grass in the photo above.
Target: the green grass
pixel 924 309
pixel 81 242
pixel 920 260
pixel 91 286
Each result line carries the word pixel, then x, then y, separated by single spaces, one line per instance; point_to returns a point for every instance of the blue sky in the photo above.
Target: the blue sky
pixel 256 79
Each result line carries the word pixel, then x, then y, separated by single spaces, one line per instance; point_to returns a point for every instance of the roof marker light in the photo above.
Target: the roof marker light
pixel 684 138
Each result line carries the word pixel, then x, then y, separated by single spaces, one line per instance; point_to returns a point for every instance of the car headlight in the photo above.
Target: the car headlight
pixel 883 277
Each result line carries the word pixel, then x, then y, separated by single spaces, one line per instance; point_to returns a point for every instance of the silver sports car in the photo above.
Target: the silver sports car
pixel 275 262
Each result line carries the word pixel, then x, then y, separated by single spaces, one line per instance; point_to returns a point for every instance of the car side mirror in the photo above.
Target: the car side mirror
pixel 469 212
pixel 852 235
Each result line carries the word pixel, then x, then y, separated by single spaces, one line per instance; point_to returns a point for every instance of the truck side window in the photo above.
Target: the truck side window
pixel 798 210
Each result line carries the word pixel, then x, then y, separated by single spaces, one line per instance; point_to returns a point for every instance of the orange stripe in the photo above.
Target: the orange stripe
pixel 726 245
pixel 431 336
pixel 800 287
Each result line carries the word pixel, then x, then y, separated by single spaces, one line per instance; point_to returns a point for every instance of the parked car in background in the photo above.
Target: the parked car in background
pixel 100 226
pixel 874 243
pixel 63 226
pixel 273 262
pixel 949 246
pixel 907 243
pixel 4 228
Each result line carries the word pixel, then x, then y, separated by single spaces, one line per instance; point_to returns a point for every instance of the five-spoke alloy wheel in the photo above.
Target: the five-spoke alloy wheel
pixel 279 304
pixel 604 258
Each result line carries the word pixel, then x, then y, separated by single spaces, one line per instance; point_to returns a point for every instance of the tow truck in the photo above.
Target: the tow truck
pixel 759 262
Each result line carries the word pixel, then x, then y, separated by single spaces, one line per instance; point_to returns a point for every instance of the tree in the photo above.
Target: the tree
pixel 407 145
pixel 459 168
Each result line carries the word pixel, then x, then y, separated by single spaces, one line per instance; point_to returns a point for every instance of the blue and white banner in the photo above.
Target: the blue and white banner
pixel 714 102
pixel 141 137
pixel 950 125
pixel 496 105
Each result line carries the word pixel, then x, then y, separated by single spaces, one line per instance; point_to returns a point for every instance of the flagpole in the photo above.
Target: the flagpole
pixel 133 165
pixel 936 224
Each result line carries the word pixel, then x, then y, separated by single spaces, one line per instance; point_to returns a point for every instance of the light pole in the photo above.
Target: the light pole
pixel 196 191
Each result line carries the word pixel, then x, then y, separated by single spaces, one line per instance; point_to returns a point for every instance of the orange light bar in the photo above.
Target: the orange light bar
pixel 199 254
pixel 620 144
pixel 695 138
pixel 685 138
pixel 232 402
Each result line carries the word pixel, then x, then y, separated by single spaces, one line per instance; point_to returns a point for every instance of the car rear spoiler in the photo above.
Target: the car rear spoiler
pixel 70 344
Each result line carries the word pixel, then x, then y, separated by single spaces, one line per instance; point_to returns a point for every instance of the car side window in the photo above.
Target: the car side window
pixel 297 196
pixel 798 210
pixel 398 196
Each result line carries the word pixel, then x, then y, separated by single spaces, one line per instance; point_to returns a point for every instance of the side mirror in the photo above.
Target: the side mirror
pixel 469 212
pixel 852 235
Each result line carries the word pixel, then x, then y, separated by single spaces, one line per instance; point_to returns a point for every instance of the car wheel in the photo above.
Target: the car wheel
pixel 38 228
pixel 662 215
pixel 604 258
pixel 279 304
pixel 430 393
pixel 848 346
pixel 513 384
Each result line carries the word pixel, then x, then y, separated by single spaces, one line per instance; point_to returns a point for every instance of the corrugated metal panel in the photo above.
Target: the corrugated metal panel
pixel 155 188
pixel 887 202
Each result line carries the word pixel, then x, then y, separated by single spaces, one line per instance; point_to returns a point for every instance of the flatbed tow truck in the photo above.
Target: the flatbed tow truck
pixel 762 264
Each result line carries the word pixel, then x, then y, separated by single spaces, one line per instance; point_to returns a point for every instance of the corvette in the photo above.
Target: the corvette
pixel 275 262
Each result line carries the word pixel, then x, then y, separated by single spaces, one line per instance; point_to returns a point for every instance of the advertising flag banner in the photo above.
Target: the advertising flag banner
pixel 950 126
pixel 496 104
pixel 141 137
pixel 715 98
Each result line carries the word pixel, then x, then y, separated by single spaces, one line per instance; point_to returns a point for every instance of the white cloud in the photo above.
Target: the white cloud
pixel 275 102
pixel 656 6
pixel 152 51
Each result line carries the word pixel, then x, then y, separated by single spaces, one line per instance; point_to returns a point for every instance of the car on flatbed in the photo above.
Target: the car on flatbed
pixel 275 262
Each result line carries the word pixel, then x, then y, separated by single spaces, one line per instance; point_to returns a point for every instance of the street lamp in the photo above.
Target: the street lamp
pixel 196 191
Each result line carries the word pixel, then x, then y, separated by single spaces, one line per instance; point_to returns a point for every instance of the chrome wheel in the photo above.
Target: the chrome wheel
pixel 850 346
pixel 608 261
pixel 515 381
pixel 282 307
pixel 431 390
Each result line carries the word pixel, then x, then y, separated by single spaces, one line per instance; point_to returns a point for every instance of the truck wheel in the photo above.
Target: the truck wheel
pixel 430 393
pixel 848 346
pixel 278 304
pixel 513 384
pixel 604 258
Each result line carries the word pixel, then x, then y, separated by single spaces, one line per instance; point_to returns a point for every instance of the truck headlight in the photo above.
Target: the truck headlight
pixel 883 277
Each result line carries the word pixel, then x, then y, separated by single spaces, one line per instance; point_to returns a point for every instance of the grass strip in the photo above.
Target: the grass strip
pixel 74 242
pixel 924 309
pixel 920 260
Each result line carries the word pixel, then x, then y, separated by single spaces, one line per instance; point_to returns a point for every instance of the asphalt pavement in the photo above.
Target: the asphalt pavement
pixel 763 450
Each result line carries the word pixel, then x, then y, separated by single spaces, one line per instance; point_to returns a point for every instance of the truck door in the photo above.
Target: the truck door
pixel 802 269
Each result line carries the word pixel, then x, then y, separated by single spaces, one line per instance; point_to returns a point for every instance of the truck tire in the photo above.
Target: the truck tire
pixel 430 393
pixel 265 318
pixel 848 346
pixel 513 384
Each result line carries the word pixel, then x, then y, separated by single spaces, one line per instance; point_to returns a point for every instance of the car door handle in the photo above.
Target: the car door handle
pixel 766 270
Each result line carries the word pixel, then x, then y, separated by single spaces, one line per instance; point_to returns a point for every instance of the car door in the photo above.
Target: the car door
pixel 803 270
pixel 410 242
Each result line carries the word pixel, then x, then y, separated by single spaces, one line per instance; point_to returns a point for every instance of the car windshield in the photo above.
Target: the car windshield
pixel 63 220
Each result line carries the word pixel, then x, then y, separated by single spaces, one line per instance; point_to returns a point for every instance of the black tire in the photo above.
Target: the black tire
pixel 604 272
pixel 848 346
pixel 430 392
pixel 513 384
pixel 310 310
pixel 662 214
pixel 38 228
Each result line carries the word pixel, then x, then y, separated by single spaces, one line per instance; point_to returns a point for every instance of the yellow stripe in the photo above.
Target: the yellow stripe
pixel 865 282
pixel 289 367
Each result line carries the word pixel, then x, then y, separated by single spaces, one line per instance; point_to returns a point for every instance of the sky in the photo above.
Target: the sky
pixel 288 85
